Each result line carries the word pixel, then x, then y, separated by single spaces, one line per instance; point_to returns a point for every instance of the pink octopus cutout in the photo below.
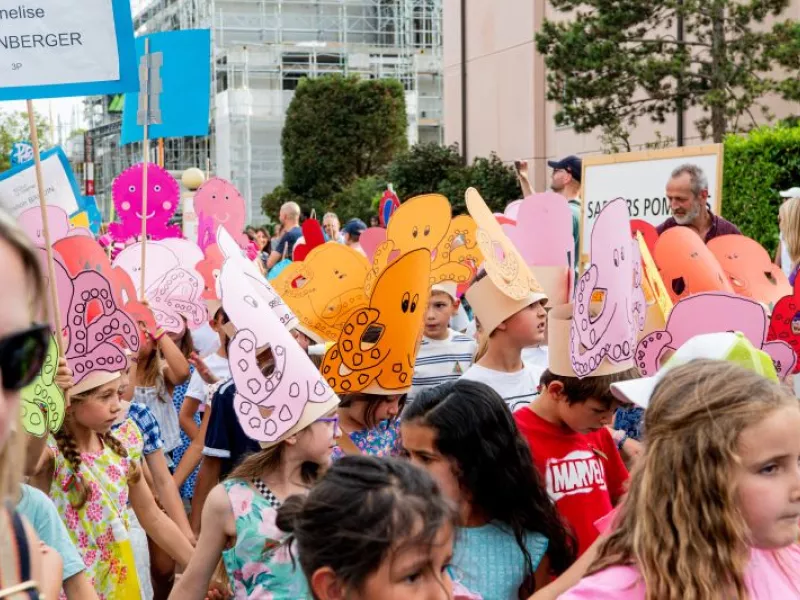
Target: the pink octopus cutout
pixel 163 197
pixel 209 268
pixel 90 342
pixel 218 203
pixel 58 223
pixel 713 312
pixel 611 334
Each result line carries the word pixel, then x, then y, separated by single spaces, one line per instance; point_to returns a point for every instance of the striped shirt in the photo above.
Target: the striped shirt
pixel 442 361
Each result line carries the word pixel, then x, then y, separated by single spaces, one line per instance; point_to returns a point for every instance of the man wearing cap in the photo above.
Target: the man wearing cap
pixel 352 234
pixel 566 181
pixel 687 192
pixel 783 260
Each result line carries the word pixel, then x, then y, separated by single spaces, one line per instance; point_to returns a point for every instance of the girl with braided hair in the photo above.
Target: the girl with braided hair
pixel 91 476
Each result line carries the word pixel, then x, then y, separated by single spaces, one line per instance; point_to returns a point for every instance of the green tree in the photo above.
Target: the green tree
pixel 496 182
pixel 340 129
pixel 359 199
pixel 14 128
pixel 614 62
pixel 272 201
pixel 421 168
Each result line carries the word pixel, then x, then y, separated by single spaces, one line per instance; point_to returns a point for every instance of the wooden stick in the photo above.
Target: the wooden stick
pixel 51 267
pixel 146 153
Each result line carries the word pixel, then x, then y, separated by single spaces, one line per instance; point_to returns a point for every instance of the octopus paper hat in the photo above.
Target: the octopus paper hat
pixel 273 407
pixel 597 335
pixel 163 198
pixel 377 349
pixel 324 289
pixel 510 285
pixel 218 203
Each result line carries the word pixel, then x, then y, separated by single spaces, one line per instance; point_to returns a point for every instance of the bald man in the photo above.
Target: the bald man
pixel 290 223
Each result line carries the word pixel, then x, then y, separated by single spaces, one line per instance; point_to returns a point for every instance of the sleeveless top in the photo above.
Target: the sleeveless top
pixel 15 558
pixel 160 404
pixel 258 564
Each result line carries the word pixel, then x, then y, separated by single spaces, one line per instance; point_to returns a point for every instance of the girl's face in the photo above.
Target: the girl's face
pixel 419 443
pixel 414 572
pixel 261 239
pixel 768 478
pixel 316 442
pixel 99 411
pixel 387 407
pixel 15 316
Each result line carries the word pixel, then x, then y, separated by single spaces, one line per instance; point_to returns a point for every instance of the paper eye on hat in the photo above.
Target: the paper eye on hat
pixel 608 309
pixel 687 265
pixel 712 312
pixel 325 289
pixel 749 269
pixel 377 348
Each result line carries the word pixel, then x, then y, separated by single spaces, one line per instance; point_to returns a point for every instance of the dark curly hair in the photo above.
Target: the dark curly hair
pixel 476 430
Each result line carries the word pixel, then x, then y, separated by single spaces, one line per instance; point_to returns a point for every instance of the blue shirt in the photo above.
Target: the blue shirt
pixel 148 425
pixel 43 517
pixel 225 438
pixel 287 242
pixel 488 561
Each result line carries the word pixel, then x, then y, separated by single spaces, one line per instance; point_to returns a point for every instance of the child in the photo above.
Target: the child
pixel 444 354
pixel 505 328
pixel 185 343
pixel 720 469
pixel 511 539
pixel 373 529
pixel 566 429
pixel 90 477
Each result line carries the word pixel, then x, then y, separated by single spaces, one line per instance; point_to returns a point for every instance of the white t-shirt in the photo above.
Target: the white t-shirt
pixel 460 320
pixel 198 388
pixel 206 340
pixel 536 356
pixel 517 389
pixel 786 260
pixel 442 361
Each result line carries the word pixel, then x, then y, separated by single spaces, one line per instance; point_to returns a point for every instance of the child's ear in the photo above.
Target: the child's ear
pixel 556 390
pixel 325 585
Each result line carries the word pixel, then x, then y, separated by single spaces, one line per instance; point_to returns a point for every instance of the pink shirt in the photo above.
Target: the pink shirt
pixel 770 575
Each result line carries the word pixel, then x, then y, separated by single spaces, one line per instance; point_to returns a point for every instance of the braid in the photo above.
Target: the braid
pixel 69 450
pixel 112 442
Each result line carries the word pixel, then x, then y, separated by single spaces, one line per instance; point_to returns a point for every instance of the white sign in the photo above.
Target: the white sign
pixel 56 42
pixel 641 179
pixel 18 191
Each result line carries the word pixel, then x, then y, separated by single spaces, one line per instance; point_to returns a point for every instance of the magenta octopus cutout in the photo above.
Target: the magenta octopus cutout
pixel 610 334
pixel 91 343
pixel 218 203
pixel 713 312
pixel 163 197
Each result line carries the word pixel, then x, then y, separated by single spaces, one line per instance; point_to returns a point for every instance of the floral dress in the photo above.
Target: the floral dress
pixel 382 440
pixel 100 528
pixel 259 567
pixel 178 396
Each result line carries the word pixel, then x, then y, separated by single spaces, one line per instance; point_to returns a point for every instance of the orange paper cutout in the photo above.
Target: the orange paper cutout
pixel 503 263
pixel 687 266
pixel 325 288
pixel 652 284
pixel 750 270
pixel 377 349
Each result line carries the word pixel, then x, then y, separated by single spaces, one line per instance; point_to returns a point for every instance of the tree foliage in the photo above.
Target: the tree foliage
pixel 14 128
pixel 611 63
pixel 340 129
pixel 496 182
pixel 359 199
pixel 422 168
pixel 271 203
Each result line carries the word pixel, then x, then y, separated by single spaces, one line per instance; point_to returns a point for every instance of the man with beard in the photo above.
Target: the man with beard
pixel 687 192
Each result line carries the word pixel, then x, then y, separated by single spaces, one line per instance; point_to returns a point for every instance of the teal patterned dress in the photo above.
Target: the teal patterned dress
pixel 258 565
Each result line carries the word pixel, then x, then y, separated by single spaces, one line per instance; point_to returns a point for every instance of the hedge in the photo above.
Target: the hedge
pixel 757 167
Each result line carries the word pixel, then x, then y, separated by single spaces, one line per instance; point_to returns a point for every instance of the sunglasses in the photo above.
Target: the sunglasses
pixel 22 355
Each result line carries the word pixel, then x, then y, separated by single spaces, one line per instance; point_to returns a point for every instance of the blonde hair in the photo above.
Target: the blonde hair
pixel 680 524
pixel 790 227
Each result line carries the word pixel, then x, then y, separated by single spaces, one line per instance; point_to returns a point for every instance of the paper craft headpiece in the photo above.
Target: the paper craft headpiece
pixel 313 237
pixel 163 197
pixel 172 288
pixel 218 203
pixel 43 391
pixel 425 222
pixel 649 233
pixel 269 408
pixel 609 308
pixel 749 269
pixel 687 265
pixel 509 285
pixel 542 234
pixel 388 204
pixel 784 314
pixel 325 289
pixel 377 349
pixel 209 268
pixel 659 304
pixel 57 220
pixel 712 312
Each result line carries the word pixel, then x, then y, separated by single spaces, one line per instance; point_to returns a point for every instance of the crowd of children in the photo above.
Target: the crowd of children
pixel 344 440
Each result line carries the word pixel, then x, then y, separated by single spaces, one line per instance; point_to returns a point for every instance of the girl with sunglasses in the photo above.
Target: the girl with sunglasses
pixel 23 347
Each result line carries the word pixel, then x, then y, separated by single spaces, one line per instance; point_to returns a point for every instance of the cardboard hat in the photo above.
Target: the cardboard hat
pixel 781 324
pixel 509 285
pixel 446 287
pixel 94 380
pixel 727 346
pixel 376 351
pixel 324 289
pixel 610 307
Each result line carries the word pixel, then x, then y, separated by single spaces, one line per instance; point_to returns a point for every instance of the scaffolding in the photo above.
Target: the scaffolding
pixel 261 51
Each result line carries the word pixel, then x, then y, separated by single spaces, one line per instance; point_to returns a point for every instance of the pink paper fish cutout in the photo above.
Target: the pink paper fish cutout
pixel 163 198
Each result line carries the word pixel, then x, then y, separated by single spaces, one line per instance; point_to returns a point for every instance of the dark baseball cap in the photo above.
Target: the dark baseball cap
pixel 572 165
pixel 354 227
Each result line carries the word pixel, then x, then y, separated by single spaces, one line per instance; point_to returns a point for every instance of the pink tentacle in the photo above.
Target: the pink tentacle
pixel 649 352
pixel 105 357
pixel 783 357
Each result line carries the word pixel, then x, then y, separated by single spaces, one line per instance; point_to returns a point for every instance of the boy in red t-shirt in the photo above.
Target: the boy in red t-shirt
pixel 565 427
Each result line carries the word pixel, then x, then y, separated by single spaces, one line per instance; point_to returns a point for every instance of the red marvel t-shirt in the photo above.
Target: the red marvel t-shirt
pixel 583 471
